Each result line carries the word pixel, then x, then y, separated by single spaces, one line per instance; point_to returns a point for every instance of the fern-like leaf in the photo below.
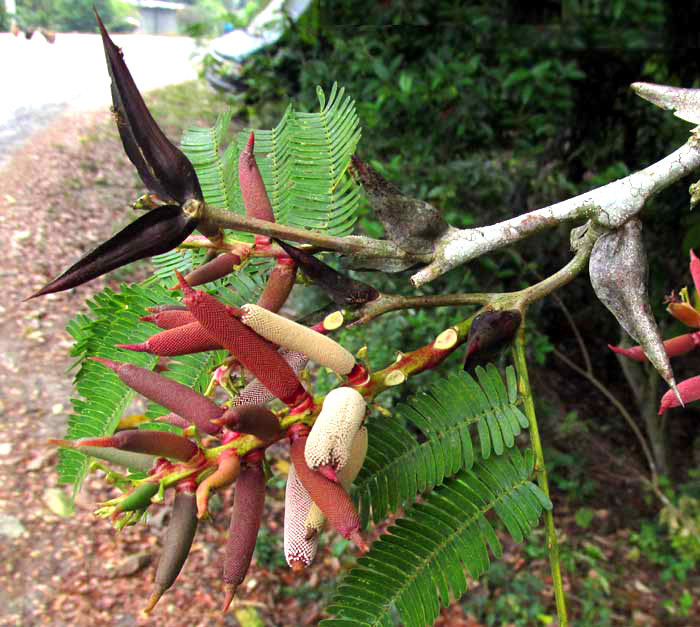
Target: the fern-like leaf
pixel 419 565
pixel 113 319
pixel 398 466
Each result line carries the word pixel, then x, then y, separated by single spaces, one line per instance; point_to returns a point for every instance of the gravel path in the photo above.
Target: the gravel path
pixel 41 80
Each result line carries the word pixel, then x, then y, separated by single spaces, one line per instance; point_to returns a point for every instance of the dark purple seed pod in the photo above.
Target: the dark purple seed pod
pixel 159 443
pixel 178 398
pixel 154 233
pixel 177 544
pixel 248 502
pixel 489 333
pixel 163 167
pixel 253 419
pixel 215 269
pixel 344 291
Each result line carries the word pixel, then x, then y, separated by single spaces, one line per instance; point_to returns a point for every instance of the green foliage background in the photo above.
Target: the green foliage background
pixel 487 109
pixel 72 15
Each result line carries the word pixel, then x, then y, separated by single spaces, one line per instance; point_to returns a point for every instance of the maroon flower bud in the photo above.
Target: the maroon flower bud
pixel 160 443
pixel 176 546
pixel 248 502
pixel 172 395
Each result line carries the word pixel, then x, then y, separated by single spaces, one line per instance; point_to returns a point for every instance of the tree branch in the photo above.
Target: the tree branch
pixel 351 245
pixel 610 206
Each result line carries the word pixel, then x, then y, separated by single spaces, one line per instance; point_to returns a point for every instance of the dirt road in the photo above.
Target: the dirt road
pixel 41 80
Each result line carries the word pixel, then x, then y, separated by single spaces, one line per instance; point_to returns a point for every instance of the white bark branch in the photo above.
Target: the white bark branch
pixel 610 206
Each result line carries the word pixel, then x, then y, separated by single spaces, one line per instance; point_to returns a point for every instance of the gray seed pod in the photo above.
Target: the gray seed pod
pixel 296 337
pixel 298 551
pixel 347 474
pixel 618 270
pixel 331 437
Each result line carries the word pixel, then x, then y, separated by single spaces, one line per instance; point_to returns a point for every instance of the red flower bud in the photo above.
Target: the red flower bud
pixel 252 351
pixel 676 346
pixel 689 391
pixel 255 198
pixel 183 340
pixel 279 285
pixel 169 318
pixel 215 269
pixel 331 498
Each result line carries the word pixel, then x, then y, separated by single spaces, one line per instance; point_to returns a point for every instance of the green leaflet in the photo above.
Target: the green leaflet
pixel 419 564
pixel 398 466
pixel 102 398
pixel 303 162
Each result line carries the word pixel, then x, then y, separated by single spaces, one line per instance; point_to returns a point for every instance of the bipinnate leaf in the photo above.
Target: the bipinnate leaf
pixel 421 562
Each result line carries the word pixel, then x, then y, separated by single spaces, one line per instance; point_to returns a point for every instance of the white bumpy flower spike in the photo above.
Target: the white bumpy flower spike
pixel 298 550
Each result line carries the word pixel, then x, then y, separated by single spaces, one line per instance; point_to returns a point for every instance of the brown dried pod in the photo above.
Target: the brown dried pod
pixel 618 271
pixel 412 224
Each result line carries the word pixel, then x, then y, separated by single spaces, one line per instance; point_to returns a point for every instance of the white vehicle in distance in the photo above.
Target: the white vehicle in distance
pixel 227 53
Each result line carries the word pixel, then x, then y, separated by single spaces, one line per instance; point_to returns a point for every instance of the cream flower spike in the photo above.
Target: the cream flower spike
pixel 330 441
pixel 296 337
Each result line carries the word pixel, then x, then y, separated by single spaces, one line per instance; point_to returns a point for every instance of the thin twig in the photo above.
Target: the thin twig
pixel 618 405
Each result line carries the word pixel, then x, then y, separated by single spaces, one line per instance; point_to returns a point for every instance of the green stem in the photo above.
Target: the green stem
pixel 540 469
